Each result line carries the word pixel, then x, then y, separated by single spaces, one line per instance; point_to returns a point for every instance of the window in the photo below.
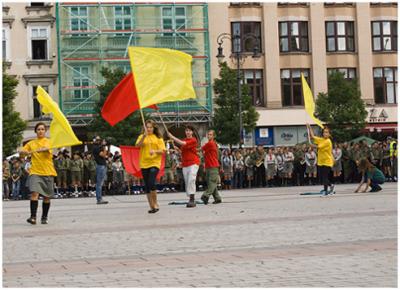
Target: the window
pixel 5 43
pixel 246 43
pixel 40 43
pixel 37 4
pixel 254 79
pixel 349 73
pixel 81 82
pixel 244 4
pixel 173 18
pixel 79 19
pixel 122 19
pixel 37 108
pixel 292 94
pixel 385 83
pixel 339 36
pixel 384 35
pixel 293 36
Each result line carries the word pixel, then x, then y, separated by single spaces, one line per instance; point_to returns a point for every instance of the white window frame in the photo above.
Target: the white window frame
pixel 48 38
pixel 123 17
pixel 78 69
pixel 31 95
pixel 173 17
pixel 87 20
pixel 6 35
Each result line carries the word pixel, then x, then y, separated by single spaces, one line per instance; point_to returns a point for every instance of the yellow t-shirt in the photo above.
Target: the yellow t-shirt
pixel 325 157
pixel 42 162
pixel 151 142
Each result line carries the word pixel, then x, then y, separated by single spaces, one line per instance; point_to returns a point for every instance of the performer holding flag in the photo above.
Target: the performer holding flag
pixel 190 162
pixel 42 172
pixel 324 158
pixel 152 147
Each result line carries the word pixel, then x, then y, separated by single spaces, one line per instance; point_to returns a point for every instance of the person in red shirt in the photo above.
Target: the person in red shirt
pixel 190 162
pixel 211 164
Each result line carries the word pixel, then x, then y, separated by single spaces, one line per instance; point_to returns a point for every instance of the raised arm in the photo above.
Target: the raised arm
pixel 310 130
pixel 177 140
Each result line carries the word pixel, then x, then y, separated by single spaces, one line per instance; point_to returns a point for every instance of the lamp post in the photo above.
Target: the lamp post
pixel 238 55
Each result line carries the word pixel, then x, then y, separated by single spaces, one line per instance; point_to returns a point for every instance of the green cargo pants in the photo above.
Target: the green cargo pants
pixel 212 175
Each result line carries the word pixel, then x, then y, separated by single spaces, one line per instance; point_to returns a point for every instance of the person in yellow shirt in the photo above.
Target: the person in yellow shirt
pixel 42 172
pixel 325 158
pixel 152 147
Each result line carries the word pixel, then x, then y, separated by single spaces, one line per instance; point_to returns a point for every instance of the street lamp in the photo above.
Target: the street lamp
pixel 238 55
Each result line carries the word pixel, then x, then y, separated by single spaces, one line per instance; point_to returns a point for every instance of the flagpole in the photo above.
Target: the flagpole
pixel 165 127
pixel 144 123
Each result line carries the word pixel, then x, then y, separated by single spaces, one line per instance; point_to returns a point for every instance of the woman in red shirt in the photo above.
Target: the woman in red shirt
pixel 190 162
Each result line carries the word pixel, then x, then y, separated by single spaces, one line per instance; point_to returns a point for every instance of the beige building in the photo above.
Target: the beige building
pixel 359 39
pixel 30 53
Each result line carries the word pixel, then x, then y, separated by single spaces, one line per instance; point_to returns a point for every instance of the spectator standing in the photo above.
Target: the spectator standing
pixel 16 175
pixel 227 168
pixel 337 166
pixel 249 162
pixel 100 156
pixel 311 165
pixel 270 164
pixel 259 167
pixel 288 159
pixel 238 167
pixel 6 179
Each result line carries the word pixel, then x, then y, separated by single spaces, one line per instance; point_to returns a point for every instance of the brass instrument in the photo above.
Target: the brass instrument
pixel 260 160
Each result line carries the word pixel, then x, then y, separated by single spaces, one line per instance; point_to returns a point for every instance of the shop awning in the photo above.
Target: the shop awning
pixel 381 126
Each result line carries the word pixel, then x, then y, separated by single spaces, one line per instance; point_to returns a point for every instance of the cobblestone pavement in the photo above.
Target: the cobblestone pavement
pixel 266 237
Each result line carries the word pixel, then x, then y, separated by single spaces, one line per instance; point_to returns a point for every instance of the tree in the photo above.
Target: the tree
pixel 342 108
pixel 13 125
pixel 126 131
pixel 226 117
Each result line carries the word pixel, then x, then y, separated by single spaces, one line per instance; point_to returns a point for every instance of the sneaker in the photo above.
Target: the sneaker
pixel 31 220
pixel 154 210
pixel 204 199
pixel 191 204
pixel 217 201
pixel 331 189
pixel 102 202
pixel 44 221
pixel 324 193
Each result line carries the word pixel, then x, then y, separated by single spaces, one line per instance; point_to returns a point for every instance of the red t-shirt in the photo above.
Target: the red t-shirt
pixel 189 152
pixel 210 154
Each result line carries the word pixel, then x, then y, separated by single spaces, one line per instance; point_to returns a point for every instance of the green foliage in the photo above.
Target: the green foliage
pixel 126 131
pixel 342 108
pixel 13 125
pixel 226 117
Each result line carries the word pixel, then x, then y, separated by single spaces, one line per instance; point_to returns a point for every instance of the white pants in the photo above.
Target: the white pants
pixel 189 175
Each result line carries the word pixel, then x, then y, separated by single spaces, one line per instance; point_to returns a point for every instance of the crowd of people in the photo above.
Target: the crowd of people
pixel 239 168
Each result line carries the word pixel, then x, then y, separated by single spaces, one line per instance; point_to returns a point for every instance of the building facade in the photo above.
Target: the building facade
pixel 96 35
pixel 29 52
pixel 358 39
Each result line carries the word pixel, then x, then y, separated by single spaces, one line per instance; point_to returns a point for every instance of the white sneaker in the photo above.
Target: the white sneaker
pixel 331 189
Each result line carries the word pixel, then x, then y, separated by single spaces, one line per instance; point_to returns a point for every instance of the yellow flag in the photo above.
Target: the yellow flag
pixel 161 75
pixel 309 101
pixel 61 134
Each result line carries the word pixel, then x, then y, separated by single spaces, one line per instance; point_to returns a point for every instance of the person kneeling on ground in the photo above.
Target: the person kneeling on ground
pixel 371 176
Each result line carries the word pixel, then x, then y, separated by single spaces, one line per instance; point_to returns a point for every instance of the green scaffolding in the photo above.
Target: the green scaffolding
pixel 95 35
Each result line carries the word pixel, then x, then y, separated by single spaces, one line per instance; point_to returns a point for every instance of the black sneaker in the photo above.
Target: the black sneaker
pixel 154 210
pixel 217 201
pixel 44 221
pixel 31 220
pixel 102 202
pixel 204 199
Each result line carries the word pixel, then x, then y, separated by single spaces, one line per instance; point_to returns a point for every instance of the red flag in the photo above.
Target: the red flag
pixel 130 158
pixel 122 101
